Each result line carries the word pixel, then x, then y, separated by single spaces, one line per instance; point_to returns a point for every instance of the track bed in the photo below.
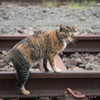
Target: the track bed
pixel 50 84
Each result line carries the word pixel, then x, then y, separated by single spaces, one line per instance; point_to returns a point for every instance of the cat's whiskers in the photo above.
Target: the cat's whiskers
pixel 73 41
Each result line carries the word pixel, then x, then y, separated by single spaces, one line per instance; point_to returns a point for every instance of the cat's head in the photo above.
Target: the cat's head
pixel 67 33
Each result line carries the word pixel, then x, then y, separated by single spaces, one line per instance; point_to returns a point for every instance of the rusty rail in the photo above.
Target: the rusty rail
pixel 84 43
pixel 8 41
pixel 50 84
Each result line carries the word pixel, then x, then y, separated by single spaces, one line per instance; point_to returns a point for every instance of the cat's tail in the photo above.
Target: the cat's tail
pixel 6 60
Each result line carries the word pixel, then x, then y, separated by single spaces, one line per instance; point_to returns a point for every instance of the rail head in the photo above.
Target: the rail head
pixel 78 37
pixel 87 37
pixel 48 75
pixel 12 37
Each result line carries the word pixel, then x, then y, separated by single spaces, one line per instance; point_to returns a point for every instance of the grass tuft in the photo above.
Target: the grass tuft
pixel 50 3
pixel 83 5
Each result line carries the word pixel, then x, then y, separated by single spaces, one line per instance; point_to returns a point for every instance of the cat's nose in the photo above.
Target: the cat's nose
pixel 68 41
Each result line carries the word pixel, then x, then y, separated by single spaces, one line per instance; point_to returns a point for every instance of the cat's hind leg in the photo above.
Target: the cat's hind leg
pixel 24 91
pixel 22 76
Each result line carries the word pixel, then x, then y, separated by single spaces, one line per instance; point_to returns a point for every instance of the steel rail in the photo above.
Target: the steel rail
pixel 84 43
pixel 51 84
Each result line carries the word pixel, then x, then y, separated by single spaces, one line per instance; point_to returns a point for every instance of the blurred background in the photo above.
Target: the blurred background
pixel 30 16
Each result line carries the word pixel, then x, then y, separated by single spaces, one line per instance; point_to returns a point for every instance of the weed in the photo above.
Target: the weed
pixel 41 23
pixel 3 3
pixel 83 5
pixel 50 3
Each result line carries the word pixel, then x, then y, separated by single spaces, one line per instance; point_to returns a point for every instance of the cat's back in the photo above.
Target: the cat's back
pixel 32 48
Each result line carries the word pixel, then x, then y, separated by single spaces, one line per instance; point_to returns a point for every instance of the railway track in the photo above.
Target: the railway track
pixel 66 85
pixel 85 43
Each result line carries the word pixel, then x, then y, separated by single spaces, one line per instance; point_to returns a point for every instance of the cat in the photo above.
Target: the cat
pixel 35 47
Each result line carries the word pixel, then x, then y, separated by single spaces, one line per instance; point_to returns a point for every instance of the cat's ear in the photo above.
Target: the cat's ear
pixel 62 27
pixel 74 27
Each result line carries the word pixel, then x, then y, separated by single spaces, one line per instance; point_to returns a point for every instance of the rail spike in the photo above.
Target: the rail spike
pixel 74 95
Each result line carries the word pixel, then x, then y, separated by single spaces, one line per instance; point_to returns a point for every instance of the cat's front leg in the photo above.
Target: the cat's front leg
pixel 51 59
pixel 45 64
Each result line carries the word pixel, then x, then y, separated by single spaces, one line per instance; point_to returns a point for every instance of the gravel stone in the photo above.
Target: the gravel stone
pixel 84 61
pixel 26 15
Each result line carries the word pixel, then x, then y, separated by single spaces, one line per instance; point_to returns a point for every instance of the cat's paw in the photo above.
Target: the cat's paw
pixel 47 69
pixel 58 70
pixel 26 92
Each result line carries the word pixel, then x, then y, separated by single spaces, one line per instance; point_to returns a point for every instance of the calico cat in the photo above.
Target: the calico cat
pixel 35 47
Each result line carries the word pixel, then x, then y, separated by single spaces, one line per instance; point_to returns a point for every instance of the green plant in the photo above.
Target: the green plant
pixel 83 5
pixel 41 23
pixel 50 3
pixel 88 3
pixel 4 3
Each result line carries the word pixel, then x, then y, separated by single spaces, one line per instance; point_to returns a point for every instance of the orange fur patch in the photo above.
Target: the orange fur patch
pixel 25 52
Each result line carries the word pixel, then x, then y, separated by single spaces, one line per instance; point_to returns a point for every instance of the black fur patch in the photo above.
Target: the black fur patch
pixel 67 26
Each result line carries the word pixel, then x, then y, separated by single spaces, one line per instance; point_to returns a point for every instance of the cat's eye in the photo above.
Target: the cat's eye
pixel 72 36
pixel 65 35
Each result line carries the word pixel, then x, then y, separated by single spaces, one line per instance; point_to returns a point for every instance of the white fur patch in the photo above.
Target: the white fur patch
pixel 65 44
